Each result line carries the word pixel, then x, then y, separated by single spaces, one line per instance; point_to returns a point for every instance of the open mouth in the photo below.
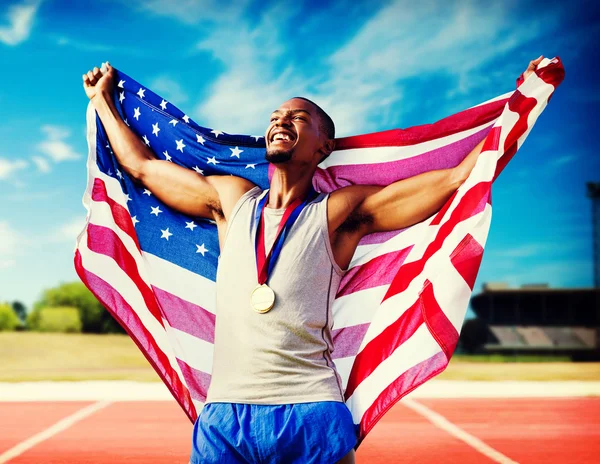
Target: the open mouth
pixel 282 137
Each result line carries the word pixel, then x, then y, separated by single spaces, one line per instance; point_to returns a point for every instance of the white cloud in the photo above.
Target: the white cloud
pixel 68 231
pixel 241 99
pixel 8 167
pixel 562 160
pixel 55 147
pixel 20 19
pixel 169 89
pixel 194 11
pixel 364 84
pixel 9 240
pixel 41 163
pixel 7 263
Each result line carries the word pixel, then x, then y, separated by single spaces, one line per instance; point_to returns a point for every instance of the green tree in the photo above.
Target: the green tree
pixel 8 319
pixel 94 318
pixel 55 319
pixel 20 310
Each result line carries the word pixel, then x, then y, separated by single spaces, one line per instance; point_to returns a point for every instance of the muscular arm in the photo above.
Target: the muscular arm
pixel 180 188
pixel 400 204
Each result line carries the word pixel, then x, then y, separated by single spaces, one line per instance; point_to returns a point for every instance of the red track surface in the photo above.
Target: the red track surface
pixel 554 430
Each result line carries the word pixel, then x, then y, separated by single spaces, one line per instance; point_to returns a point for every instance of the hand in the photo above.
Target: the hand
pixel 532 67
pixel 94 83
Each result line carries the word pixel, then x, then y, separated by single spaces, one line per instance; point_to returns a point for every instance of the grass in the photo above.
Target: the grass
pixel 29 356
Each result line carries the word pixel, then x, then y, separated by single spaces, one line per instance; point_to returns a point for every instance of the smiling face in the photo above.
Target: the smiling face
pixel 295 133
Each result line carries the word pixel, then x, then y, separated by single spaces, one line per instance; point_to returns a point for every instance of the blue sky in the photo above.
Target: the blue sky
pixel 371 65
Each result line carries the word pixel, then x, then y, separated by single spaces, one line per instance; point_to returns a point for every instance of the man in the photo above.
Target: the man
pixel 275 395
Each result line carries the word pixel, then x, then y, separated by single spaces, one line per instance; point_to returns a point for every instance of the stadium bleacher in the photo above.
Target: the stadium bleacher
pixel 538 319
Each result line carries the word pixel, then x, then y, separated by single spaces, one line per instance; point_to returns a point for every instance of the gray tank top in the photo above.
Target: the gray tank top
pixel 284 355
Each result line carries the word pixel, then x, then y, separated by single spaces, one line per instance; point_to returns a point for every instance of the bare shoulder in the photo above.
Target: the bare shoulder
pixel 229 190
pixel 343 207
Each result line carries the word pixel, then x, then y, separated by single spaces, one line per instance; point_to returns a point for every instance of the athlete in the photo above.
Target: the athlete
pixel 275 395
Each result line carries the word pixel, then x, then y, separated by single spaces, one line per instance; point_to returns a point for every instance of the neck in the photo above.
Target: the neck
pixel 287 185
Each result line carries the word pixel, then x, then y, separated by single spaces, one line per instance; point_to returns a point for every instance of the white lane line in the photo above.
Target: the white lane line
pixel 440 421
pixel 61 425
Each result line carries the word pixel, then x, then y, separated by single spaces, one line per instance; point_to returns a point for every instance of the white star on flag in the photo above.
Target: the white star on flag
pixel 147 192
pixel 156 210
pixel 141 92
pixel 136 113
pixel 119 175
pixel 167 156
pixel 165 234
pixel 216 132
pixel 236 152
pixel 174 122
pixel 127 198
pixel 121 97
pixel 201 249
pixel 146 141
pixel 198 170
pixel 135 220
pixel 256 137
pixel 120 84
pixel 190 225
pixel 251 165
pixel 155 129
pixel 126 121
pixel 200 139
pixel 180 145
pixel 186 118
pixel 212 160
pixel 163 105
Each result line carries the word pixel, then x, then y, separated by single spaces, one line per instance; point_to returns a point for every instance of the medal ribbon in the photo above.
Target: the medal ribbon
pixel 265 263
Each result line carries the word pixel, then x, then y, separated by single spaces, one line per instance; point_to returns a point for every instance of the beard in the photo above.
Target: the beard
pixel 278 156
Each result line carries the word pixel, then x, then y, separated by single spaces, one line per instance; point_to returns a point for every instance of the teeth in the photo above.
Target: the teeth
pixel 281 136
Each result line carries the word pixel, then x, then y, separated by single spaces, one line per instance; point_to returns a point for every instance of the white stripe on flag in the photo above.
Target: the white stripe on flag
pixel 376 155
pixel 180 282
pixel 194 351
pixel 418 348
pixel 108 270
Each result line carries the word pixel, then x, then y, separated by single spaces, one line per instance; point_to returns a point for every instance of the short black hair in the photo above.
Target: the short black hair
pixel 326 124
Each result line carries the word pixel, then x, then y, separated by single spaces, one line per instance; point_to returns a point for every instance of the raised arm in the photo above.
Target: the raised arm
pixel 211 197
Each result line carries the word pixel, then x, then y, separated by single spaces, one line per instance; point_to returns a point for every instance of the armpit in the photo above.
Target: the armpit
pixel 355 221
pixel 217 210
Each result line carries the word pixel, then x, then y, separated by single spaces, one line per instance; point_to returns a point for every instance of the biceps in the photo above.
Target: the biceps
pixel 408 201
pixel 180 188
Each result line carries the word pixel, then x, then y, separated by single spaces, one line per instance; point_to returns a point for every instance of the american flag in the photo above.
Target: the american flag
pixel 399 308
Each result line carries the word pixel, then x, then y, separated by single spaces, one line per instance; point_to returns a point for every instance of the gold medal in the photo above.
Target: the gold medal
pixel 262 298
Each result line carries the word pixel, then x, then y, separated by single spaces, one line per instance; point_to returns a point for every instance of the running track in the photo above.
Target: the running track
pixel 441 430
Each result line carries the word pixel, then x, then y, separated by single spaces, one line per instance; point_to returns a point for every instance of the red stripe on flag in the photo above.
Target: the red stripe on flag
pixel 347 340
pixel 373 273
pixel 437 322
pixel 553 73
pixel 458 122
pixel 185 316
pixel 112 300
pixel 383 345
pixel 521 105
pixel 197 381
pixel 120 214
pixel 105 241
pixel 473 201
pixel 466 259
pixel 402 386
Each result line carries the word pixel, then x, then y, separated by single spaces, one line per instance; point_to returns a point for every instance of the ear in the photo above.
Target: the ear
pixel 327 148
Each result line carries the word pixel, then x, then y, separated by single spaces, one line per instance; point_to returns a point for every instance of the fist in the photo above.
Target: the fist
pixel 96 83
pixel 532 67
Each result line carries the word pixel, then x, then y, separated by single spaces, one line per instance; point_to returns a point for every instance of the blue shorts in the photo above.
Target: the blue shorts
pixel 318 432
